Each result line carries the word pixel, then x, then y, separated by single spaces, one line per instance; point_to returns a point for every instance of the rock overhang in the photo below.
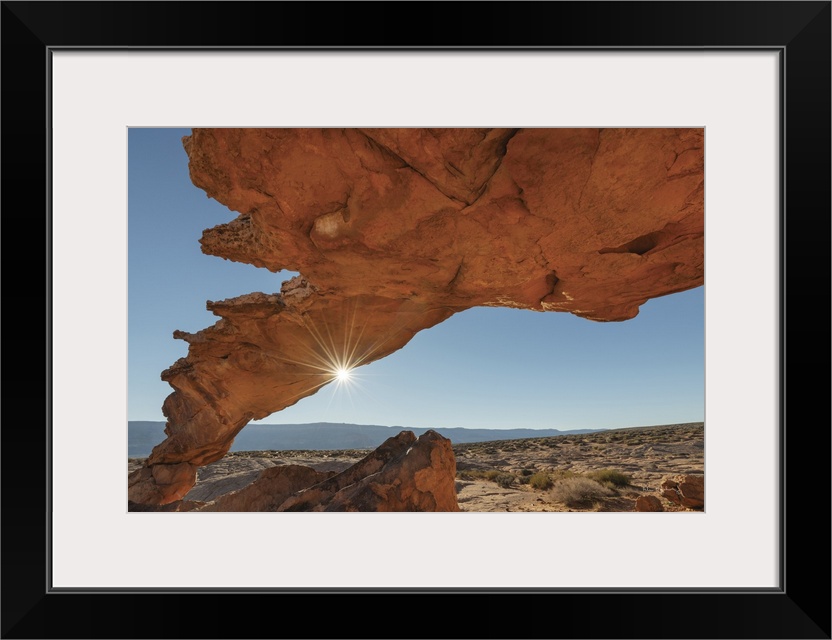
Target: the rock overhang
pixel 394 231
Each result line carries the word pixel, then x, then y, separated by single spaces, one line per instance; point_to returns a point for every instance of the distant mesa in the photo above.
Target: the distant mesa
pixel 322 436
pixel 394 231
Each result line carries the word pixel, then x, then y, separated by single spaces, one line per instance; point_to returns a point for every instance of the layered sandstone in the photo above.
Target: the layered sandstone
pixel 395 230
pixel 648 503
pixel 685 490
pixel 270 489
pixel 405 473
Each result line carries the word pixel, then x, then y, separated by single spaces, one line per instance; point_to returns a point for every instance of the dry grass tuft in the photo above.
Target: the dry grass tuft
pixel 578 491
pixel 610 477
pixel 541 480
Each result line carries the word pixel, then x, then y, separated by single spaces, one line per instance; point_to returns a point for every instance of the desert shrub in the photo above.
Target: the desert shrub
pixel 559 474
pixel 525 475
pixel 610 476
pixel 541 480
pixel 578 491
pixel 505 480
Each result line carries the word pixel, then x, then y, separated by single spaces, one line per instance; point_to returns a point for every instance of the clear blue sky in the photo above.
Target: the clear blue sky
pixel 484 368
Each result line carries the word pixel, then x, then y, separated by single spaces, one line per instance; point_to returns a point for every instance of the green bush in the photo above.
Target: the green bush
pixel 610 476
pixel 541 480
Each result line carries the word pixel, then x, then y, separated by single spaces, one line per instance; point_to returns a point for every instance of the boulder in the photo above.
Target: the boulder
pixel 685 490
pixel 404 473
pixel 648 503
pixel 270 489
pixel 176 505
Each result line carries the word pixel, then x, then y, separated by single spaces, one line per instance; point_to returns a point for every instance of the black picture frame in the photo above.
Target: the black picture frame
pixel 799 31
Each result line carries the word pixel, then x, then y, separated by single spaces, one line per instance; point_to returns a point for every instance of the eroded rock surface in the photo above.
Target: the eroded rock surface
pixel 176 505
pixel 688 491
pixel 404 473
pixel 271 489
pixel 395 230
pixel 648 503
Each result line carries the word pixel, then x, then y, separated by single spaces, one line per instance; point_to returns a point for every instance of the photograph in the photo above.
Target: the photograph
pixel 416 319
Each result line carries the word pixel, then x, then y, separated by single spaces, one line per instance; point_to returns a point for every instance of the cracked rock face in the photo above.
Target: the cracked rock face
pixel 404 473
pixel 395 230
pixel 688 491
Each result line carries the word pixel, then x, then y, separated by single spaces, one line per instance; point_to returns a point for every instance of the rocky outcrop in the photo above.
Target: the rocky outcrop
pixel 648 503
pixel 161 483
pixel 688 491
pixel 271 489
pixel 405 473
pixel 394 231
pixel 414 475
pixel 176 505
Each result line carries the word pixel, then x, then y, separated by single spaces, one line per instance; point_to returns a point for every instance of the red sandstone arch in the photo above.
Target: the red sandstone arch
pixel 395 230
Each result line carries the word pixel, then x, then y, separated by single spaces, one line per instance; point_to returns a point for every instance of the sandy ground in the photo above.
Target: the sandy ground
pixel 645 455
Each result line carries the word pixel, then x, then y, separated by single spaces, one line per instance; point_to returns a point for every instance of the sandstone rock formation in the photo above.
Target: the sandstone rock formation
pixel 176 505
pixel 271 488
pixel 404 473
pixel 648 503
pixel 688 491
pixel 395 230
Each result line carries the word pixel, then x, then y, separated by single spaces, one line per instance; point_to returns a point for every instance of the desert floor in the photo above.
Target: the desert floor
pixel 583 472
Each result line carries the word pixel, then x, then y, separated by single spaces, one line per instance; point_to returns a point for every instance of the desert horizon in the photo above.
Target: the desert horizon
pixel 143 435
pixel 608 470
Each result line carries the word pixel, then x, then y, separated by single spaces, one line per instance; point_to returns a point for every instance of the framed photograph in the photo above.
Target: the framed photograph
pixel 756 76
